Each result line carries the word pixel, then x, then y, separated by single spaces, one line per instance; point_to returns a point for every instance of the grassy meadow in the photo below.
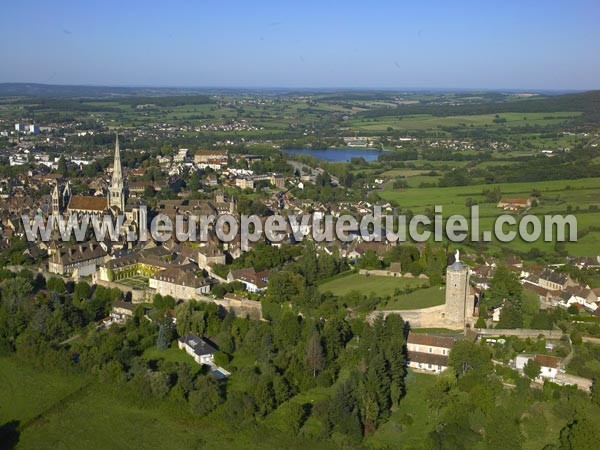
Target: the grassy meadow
pixel 421 298
pixel 380 285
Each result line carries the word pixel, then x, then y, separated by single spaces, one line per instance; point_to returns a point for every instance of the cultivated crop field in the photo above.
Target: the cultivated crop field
pixel 422 122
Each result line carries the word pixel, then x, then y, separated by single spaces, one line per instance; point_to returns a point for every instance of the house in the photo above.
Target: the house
pixel 215 159
pixel 428 352
pixel 555 281
pixel 179 282
pixel 578 295
pixel 77 260
pixel 497 312
pixel 549 365
pixel 209 255
pixel 121 311
pixel 254 281
pixel 514 204
pixel 198 348
pixel 585 262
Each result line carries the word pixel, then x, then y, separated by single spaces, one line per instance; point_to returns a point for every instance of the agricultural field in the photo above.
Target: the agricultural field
pixel 577 197
pixel 424 122
pixel 380 285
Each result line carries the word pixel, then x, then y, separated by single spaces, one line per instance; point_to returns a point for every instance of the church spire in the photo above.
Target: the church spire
pixel 117 175
pixel 116 196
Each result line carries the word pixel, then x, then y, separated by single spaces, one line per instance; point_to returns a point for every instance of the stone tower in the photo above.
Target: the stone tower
pixel 458 296
pixel 116 194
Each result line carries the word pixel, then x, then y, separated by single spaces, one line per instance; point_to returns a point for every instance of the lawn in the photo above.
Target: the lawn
pixel 172 354
pixel 380 285
pixel 422 298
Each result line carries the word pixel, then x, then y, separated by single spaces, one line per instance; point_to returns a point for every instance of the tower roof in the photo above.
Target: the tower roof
pixel 457 265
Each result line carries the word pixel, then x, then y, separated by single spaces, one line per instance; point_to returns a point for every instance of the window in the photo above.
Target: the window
pixel 443 351
pixel 430 350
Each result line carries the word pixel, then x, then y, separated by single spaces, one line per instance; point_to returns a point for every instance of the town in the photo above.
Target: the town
pixel 525 317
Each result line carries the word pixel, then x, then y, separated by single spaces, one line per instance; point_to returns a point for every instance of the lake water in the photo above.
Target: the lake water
pixel 337 154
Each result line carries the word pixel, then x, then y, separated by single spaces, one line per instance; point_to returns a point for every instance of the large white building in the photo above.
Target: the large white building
pixel 182 283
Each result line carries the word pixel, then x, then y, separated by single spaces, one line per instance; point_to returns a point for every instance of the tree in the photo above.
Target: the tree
pixel 595 391
pixel 286 286
pixel 205 397
pixel 532 368
pixel 264 396
pixel 468 356
pixel 62 166
pixel 81 292
pixel 579 434
pixel 55 284
pixel 294 418
pixel 161 341
pixel 506 290
pixel 315 359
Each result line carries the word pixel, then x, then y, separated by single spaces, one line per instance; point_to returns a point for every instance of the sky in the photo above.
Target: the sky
pixel 304 44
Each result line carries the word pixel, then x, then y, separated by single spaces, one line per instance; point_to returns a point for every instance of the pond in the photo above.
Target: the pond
pixel 337 154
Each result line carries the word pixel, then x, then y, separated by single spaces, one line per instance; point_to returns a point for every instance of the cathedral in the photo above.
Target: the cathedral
pixel 115 203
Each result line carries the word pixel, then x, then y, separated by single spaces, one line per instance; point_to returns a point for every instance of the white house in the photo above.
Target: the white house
pixel 428 352
pixel 197 348
pixel 549 364
pixel 121 311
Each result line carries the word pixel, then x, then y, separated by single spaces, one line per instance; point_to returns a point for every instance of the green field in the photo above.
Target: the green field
pixel 21 396
pixel 52 410
pixel 422 298
pixel 557 197
pixel 421 122
pixel 380 285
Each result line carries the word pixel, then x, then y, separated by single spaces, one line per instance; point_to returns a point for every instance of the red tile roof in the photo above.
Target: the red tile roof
pixel 430 340
pixel 88 203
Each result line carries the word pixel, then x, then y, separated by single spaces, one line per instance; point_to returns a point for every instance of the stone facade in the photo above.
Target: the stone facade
pixel 458 304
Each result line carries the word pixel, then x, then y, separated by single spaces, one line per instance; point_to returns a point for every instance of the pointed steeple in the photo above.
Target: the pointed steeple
pixel 116 196
pixel 117 175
